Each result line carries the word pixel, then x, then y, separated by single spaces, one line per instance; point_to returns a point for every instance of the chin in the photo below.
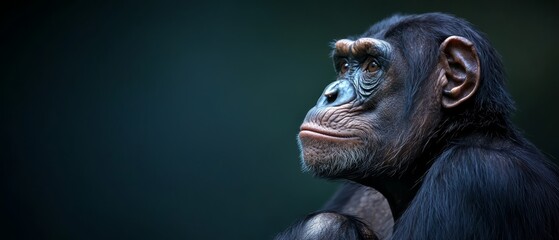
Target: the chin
pixel 331 158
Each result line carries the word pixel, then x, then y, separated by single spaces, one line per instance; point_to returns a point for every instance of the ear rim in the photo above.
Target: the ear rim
pixel 461 66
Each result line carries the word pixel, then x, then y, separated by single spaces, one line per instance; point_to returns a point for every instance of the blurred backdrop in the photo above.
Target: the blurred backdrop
pixel 168 120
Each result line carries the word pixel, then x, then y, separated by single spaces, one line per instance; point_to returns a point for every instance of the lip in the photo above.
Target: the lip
pixel 323 133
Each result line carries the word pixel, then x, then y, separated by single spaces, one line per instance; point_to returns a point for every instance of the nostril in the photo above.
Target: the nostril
pixel 337 93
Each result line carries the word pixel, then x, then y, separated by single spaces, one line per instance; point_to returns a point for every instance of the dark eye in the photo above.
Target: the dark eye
pixel 373 66
pixel 344 67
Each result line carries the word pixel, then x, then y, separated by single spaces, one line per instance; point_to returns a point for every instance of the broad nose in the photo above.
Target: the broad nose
pixel 337 93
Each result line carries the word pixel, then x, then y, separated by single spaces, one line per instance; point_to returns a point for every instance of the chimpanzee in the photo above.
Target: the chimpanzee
pixel 419 112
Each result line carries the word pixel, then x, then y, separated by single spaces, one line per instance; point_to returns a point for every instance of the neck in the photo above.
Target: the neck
pixel 398 192
pixel 401 189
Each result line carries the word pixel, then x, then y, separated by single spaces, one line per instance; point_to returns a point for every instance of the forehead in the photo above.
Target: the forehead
pixel 360 47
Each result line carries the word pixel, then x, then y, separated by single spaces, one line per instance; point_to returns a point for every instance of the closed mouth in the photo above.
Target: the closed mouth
pixel 320 132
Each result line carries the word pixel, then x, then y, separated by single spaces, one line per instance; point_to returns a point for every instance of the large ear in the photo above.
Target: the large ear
pixel 461 68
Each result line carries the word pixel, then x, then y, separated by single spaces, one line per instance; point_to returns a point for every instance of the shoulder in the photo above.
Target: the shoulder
pixel 484 190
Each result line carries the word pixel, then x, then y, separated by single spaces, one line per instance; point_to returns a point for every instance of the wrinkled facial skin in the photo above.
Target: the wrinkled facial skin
pixel 353 129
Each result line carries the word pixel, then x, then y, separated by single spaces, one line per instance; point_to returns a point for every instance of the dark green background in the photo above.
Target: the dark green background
pixel 165 120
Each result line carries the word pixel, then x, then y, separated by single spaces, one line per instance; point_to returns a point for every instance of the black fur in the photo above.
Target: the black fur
pixel 482 190
pixel 483 179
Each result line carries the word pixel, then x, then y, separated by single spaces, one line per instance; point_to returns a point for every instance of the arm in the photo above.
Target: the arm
pixel 354 212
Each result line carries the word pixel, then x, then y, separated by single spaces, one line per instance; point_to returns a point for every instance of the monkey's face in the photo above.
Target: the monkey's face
pixel 355 126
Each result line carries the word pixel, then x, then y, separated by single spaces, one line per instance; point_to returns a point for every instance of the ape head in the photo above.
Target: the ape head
pixel 403 89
